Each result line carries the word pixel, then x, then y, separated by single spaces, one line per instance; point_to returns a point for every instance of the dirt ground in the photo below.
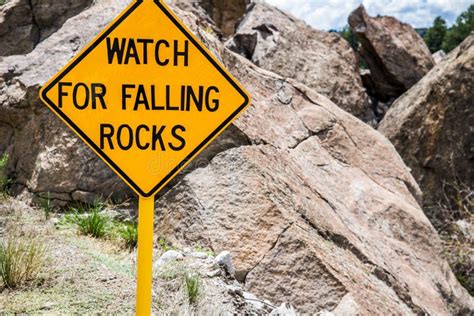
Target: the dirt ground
pixel 82 275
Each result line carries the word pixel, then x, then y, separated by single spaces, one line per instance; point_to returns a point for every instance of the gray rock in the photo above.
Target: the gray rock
pixel 396 54
pixel 278 208
pixel 439 56
pixel 199 255
pixel 214 273
pixel 224 260
pixel 431 127
pixel 25 23
pixel 285 310
pixel 225 13
pixel 169 256
pixel 277 41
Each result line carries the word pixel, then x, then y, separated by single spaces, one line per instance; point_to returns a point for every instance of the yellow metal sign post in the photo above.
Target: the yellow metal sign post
pixel 147 97
pixel 145 255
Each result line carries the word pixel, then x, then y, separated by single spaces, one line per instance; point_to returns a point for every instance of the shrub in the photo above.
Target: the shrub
pixel 4 181
pixel 93 224
pixel 165 245
pixel 89 220
pixel 47 206
pixel 192 287
pixel 129 233
pixel 21 260
pixel 456 210
pixel 202 249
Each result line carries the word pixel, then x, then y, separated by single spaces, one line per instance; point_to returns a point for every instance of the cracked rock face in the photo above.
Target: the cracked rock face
pixel 396 55
pixel 432 125
pixel 319 211
pixel 224 14
pixel 277 41
pixel 25 23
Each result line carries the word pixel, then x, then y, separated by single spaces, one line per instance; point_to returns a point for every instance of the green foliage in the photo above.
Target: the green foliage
pixel 350 37
pixel 93 224
pixel 47 206
pixel 193 283
pixel 435 35
pixel 460 30
pixel 129 233
pixel 2 2
pixel 4 181
pixel 440 37
pixel 165 245
pixel 89 220
pixel 208 252
pixel 21 260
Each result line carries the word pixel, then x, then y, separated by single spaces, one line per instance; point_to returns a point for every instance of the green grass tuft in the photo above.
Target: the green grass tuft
pixel 193 283
pixel 93 224
pixel 165 245
pixel 4 180
pixel 47 206
pixel 129 233
pixel 89 220
pixel 202 249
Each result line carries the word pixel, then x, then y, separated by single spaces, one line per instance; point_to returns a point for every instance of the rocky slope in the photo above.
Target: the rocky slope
pixel 225 14
pixel 277 41
pixel 431 126
pixel 25 23
pixel 395 54
pixel 84 275
pixel 279 207
pixel 317 207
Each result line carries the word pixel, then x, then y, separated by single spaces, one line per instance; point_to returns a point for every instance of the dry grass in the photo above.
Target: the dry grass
pixel 454 220
pixel 21 260
pixel 83 275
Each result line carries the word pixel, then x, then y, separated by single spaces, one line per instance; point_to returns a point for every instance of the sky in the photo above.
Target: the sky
pixel 332 14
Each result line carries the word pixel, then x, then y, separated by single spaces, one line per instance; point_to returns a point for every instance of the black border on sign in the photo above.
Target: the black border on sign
pixel 201 146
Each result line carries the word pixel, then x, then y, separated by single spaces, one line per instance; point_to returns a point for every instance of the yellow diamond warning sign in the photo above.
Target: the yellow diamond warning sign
pixel 146 96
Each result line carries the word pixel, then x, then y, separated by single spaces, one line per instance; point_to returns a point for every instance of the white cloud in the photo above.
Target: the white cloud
pixel 332 14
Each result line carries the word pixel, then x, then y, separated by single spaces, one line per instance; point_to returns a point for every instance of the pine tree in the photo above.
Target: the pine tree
pixel 435 35
pixel 460 30
pixel 349 36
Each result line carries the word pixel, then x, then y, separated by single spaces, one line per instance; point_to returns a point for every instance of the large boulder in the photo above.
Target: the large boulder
pixel 319 210
pixel 277 41
pixel 432 126
pixel 225 14
pixel 395 53
pixel 24 23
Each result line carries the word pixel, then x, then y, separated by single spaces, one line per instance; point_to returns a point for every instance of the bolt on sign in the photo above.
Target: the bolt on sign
pixel 147 97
